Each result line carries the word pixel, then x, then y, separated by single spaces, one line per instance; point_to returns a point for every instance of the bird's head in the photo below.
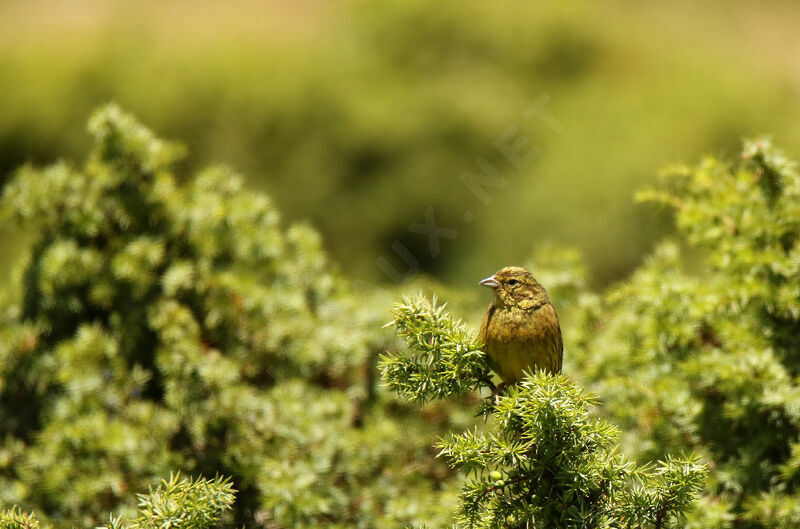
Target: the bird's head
pixel 515 286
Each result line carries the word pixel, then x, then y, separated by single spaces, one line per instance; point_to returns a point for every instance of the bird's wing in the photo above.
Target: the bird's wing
pixel 560 345
pixel 554 338
pixel 544 339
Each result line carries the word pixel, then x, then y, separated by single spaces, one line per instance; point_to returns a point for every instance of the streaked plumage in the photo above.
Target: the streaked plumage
pixel 520 329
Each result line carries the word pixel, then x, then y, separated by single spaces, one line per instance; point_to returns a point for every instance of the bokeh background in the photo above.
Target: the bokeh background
pixel 360 115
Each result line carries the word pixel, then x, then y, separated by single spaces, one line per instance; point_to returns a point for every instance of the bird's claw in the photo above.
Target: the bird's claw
pixel 498 391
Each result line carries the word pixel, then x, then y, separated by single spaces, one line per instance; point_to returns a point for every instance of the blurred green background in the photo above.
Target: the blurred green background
pixel 360 115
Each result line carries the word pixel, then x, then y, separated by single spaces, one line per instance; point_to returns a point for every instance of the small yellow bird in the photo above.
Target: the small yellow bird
pixel 520 329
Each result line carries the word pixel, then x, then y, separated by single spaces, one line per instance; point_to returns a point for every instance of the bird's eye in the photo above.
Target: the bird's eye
pixel 512 282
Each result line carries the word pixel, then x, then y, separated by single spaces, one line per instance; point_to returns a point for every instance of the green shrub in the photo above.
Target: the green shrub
pixel 158 327
pixel 700 348
pixel 178 503
pixel 161 325
pixel 544 461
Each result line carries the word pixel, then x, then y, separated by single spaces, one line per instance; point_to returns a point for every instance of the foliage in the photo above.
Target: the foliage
pixel 546 461
pixel 161 322
pixel 14 518
pixel 701 346
pixel 339 109
pixel 182 504
pixel 156 326
pixel 178 503
pixel 449 361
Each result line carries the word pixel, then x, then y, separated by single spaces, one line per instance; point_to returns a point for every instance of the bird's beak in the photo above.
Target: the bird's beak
pixel 490 282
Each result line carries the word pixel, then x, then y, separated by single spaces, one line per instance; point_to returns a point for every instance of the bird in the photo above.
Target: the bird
pixel 520 331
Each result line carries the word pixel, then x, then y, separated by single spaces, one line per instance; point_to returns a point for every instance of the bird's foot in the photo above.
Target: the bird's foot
pixel 499 391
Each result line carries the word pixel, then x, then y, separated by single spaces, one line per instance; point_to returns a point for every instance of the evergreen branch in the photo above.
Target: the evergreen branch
pixel 180 503
pixel 448 360
pixel 15 518
pixel 550 463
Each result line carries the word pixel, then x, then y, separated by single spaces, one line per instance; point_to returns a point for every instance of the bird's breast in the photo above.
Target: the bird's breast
pixel 519 340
